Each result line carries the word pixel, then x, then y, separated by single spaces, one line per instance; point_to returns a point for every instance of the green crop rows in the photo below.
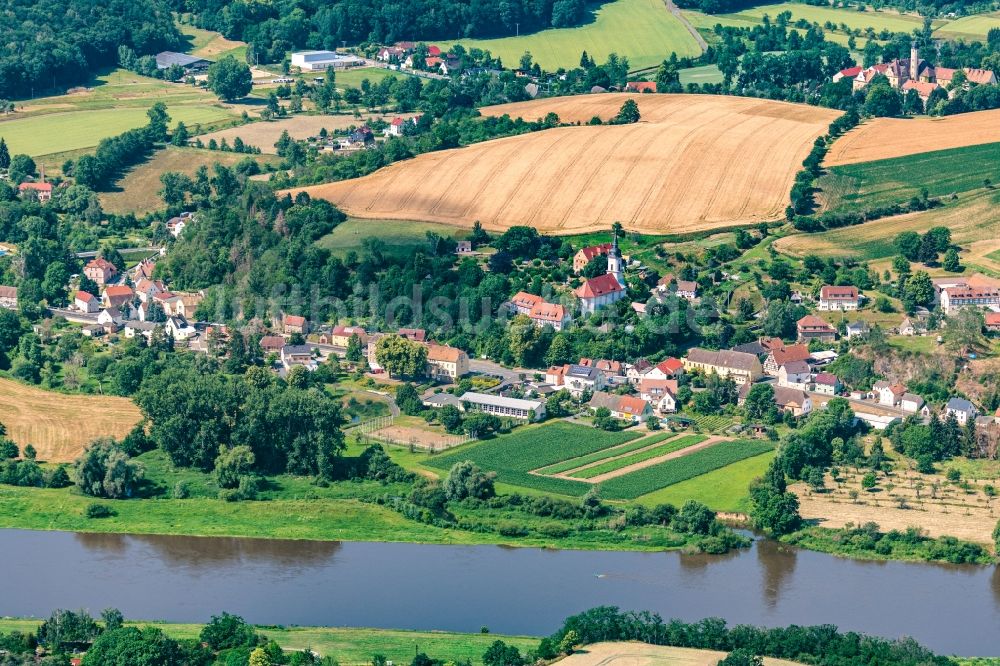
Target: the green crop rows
pixel 513 456
pixel 687 467
pixel 605 453
pixel 641 456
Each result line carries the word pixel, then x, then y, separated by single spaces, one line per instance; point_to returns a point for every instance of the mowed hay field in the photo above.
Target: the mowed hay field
pixel 974 222
pixel 693 163
pixel 641 30
pixel 264 135
pixel 73 130
pixel 643 654
pixel 138 191
pixel 60 426
pixel 882 138
pixel 969 27
pixel 882 20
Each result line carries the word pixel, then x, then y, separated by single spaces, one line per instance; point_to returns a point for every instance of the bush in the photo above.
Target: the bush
pixel 96 510
pixel 511 529
pixel 554 530
pixel 181 490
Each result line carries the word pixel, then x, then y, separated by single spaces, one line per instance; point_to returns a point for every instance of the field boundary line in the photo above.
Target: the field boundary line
pixel 624 445
pixel 711 441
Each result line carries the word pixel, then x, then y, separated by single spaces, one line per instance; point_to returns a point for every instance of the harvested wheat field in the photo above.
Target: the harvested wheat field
pixel 694 162
pixel 265 134
pixel 882 138
pixel 643 654
pixel 60 426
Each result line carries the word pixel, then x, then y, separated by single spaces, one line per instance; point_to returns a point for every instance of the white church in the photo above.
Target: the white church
pixel 606 289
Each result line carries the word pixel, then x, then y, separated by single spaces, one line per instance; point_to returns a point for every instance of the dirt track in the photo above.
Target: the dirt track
pixel 883 138
pixel 694 162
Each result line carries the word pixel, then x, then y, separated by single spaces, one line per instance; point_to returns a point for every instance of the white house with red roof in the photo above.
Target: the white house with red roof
pixel 668 368
pixel 117 295
pixel 550 314
pixel 42 190
pixel 661 393
pixel 838 298
pixel 641 86
pixel 86 302
pixel 850 73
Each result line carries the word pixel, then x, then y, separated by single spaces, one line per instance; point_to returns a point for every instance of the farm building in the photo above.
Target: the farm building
pixel 42 190
pixel 516 408
pixel 812 327
pixel 191 64
pixel 314 61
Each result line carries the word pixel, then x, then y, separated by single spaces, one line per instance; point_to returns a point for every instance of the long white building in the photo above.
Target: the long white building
pixel 498 405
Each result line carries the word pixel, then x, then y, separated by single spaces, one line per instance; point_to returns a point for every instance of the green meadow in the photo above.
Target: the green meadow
pixel 641 30
pixel 896 180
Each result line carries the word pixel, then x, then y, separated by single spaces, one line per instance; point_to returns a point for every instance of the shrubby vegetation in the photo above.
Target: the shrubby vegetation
pixel 823 645
pixel 64 43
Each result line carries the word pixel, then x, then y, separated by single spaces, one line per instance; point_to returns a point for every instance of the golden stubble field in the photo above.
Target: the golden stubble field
pixel 882 138
pixel 643 654
pixel 60 426
pixel 694 162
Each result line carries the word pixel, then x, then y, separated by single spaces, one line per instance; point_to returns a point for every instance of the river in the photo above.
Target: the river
pixel 951 609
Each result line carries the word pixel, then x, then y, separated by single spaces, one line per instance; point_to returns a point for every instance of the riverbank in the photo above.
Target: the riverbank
pixel 868 543
pixel 319 519
pixel 349 646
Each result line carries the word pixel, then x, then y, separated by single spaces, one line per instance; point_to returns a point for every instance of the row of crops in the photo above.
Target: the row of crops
pixel 654 477
pixel 641 456
pixel 528 448
pixel 628 447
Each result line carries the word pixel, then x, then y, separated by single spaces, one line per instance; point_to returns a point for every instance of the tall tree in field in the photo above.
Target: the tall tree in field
pixel 4 154
pixel 628 114
pixel 230 79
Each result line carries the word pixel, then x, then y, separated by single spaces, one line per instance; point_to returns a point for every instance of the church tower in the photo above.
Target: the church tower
pixel 914 62
pixel 615 261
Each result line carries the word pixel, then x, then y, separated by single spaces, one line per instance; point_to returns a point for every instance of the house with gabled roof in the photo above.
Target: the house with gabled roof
pixel 741 367
pixel 812 327
pixel 838 298
pixel 100 270
pixel 585 255
pixel 778 356
pixel 8 297
pixel 86 302
pixel 660 393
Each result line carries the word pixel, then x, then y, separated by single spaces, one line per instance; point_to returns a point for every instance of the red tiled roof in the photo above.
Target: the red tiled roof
pixel 981 76
pixel 790 353
pixel 838 293
pixel 647 386
pixel 826 379
pixel 38 187
pixel 850 72
pixel 812 322
pixel 118 291
pixel 599 286
pixel 629 404
pixel 993 318
pixel 592 251
pixel 670 365
pixel 549 312
pixel 294 320
pixel 523 299
pixel 415 334
pixel 444 353
pixel 641 86
pixel 85 296
pixel 101 263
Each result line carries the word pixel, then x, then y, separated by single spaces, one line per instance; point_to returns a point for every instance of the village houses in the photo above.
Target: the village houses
pixel 8 297
pixel 446 363
pixel 100 270
pixel 741 367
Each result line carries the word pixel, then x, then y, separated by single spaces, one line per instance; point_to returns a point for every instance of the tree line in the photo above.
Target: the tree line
pixel 64 43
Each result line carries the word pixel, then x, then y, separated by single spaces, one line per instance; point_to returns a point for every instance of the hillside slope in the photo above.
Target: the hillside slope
pixel 694 162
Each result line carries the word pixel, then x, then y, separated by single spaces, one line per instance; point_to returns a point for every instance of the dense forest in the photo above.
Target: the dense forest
pixel 274 28
pixel 49 44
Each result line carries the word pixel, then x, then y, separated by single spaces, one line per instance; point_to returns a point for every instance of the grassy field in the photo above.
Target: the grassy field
pixel 974 221
pixel 708 163
pixel 641 30
pixel 649 479
pixel 896 180
pixel 641 654
pixel 700 75
pixel 59 426
pixel 400 236
pixel 211 45
pixel 349 646
pixel 969 27
pixel 528 448
pixel 352 78
pixel 721 490
pixel 879 20
pixel 138 191
pixel 73 130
